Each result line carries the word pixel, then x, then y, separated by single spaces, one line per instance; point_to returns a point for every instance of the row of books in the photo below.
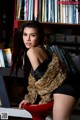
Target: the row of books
pixel 71 61
pixel 57 11
pixel 61 37
pixel 5 57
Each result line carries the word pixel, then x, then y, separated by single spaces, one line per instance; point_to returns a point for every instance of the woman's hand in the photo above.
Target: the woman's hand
pixel 23 102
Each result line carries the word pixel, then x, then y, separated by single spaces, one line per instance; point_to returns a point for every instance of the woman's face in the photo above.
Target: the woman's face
pixel 30 37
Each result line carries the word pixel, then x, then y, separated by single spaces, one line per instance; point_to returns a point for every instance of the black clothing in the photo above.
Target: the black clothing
pixel 69 87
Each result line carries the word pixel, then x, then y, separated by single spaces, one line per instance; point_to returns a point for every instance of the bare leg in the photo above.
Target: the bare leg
pixel 63 106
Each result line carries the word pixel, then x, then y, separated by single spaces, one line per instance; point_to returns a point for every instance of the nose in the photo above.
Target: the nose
pixel 28 38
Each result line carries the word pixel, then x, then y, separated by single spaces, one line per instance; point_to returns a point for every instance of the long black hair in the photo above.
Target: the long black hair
pixel 19 57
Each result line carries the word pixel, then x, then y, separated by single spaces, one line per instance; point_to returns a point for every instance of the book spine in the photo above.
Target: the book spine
pixel 32 6
pixel 43 11
pixel 40 11
pixel 25 9
pixel 2 63
pixel 36 5
pixel 56 11
pixel 18 10
pixel 29 9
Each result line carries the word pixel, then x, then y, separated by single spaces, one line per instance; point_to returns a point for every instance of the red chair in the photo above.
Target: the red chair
pixel 38 111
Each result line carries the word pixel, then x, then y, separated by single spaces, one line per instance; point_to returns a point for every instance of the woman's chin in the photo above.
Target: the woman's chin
pixel 28 47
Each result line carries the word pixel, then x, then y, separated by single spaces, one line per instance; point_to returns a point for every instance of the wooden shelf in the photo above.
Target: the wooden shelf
pixel 19 22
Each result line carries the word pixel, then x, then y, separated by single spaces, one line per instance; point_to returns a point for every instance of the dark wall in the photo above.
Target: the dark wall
pixel 7 17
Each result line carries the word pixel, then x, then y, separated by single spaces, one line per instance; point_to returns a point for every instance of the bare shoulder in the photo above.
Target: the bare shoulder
pixel 34 50
pixel 37 52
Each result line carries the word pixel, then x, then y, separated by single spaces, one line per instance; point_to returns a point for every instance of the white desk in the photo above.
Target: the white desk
pixel 15 112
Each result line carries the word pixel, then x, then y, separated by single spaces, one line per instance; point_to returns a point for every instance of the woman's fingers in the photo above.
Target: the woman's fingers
pixel 23 102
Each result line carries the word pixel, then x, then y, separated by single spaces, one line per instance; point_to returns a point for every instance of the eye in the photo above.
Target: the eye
pixel 25 34
pixel 33 35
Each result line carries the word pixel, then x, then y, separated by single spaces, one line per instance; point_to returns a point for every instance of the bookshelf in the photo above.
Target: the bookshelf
pixel 67 28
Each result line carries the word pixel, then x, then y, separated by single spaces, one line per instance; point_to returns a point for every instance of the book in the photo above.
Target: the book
pixel 71 63
pixel 78 39
pixel 26 10
pixel 36 5
pixel 40 11
pixel 76 60
pixel 18 9
pixel 22 10
pixel 43 11
pixel 2 63
pixel 7 56
pixel 70 38
pixel 62 52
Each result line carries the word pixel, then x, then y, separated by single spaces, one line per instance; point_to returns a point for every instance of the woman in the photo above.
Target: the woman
pixel 47 76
